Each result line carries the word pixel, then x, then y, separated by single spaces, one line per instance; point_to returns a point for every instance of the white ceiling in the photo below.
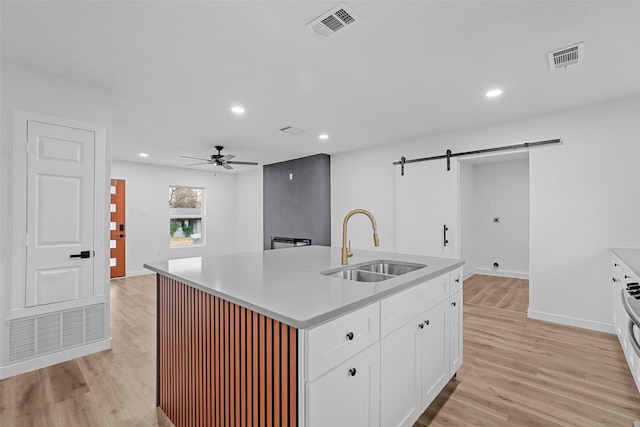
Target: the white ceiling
pixel 175 68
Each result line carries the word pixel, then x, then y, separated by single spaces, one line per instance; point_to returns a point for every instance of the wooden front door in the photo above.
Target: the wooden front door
pixel 118 229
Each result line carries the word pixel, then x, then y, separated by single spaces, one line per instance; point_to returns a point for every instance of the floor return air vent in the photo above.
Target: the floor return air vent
pixel 31 337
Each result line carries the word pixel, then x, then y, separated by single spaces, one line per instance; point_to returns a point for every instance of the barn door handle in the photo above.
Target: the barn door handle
pixel 445 229
pixel 83 254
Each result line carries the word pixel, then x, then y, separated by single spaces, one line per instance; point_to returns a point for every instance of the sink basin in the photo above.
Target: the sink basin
pixel 392 268
pixel 374 271
pixel 360 275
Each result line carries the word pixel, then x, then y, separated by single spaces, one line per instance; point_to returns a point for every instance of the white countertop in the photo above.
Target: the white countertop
pixel 286 284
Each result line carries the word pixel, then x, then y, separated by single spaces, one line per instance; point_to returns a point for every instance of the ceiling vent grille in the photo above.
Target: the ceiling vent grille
pixel 566 56
pixel 334 20
pixel 291 130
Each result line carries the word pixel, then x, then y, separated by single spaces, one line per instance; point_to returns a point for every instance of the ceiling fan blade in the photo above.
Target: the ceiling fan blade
pixel 243 163
pixel 226 166
pixel 194 164
pixel 227 157
pixel 196 158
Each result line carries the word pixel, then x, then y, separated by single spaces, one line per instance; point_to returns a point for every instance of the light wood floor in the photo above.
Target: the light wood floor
pixel 516 371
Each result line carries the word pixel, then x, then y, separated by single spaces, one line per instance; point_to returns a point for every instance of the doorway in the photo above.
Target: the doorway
pixel 494 217
pixel 117 227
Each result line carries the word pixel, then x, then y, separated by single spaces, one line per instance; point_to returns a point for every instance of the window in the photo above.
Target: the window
pixel 186 216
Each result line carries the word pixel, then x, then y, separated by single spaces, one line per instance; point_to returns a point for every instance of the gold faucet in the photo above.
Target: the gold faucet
pixel 346 253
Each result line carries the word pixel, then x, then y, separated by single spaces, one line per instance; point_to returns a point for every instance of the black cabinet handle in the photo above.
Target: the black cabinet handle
pixel 615 264
pixel 352 372
pixel 458 280
pixel 426 322
pixel 627 277
pixel 453 303
pixel 350 336
pixel 445 229
pixel 421 326
pixel 83 254
pixel 615 280
pixel 121 235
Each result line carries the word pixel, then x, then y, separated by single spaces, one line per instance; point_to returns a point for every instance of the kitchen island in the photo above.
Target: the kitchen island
pixel 264 338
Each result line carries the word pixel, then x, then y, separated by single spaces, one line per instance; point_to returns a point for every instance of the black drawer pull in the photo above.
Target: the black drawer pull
pixel 453 304
pixel 352 372
pixel 350 336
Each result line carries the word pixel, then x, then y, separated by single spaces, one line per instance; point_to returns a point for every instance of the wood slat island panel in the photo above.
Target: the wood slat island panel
pixel 220 364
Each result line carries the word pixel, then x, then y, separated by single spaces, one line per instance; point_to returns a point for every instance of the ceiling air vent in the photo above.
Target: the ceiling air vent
pixel 291 130
pixel 334 20
pixel 566 56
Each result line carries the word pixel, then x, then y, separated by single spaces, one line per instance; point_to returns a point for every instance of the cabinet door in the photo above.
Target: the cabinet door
pixel 400 381
pixel 616 287
pixel 348 395
pixel 435 352
pixel 455 333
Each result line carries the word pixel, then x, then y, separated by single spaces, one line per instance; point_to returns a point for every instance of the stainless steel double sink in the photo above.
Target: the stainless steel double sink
pixel 373 271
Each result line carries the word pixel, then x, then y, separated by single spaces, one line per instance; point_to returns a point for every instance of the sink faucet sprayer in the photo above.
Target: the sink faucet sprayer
pixel 346 252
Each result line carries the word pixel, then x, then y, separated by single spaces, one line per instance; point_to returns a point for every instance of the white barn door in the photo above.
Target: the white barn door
pixel 426 202
pixel 60 213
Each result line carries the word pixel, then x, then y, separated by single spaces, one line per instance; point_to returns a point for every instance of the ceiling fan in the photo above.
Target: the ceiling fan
pixel 219 160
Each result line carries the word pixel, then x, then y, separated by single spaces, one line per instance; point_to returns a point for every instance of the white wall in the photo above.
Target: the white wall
pixel 584 198
pixel 501 190
pixel 147 212
pixel 249 225
pixel 29 90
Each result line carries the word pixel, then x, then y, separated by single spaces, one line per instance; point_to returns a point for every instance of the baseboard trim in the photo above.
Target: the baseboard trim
pixel 487 272
pixel 139 273
pixel 53 359
pixel 571 321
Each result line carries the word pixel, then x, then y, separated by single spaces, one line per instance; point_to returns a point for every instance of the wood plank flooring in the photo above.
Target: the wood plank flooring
pixel 516 371
pixel 519 371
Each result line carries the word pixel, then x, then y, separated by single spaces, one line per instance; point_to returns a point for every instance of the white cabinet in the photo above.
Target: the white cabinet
pixel 418 358
pixel 455 332
pixel 401 382
pixel 434 352
pixel 455 321
pixel 617 274
pixel 384 364
pixel 348 395
pixel 335 341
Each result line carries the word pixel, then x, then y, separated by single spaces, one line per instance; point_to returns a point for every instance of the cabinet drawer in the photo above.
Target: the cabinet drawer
pixel 347 396
pixel 455 281
pixel 404 306
pixel 334 342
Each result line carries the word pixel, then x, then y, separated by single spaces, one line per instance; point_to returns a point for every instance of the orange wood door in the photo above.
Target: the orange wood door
pixel 118 228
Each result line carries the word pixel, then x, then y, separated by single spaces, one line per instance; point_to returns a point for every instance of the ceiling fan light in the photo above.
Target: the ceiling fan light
pixel 237 109
pixel 493 93
pixel 323 136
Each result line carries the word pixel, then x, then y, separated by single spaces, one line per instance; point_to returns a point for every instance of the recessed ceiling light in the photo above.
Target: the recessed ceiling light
pixel 493 93
pixel 237 109
pixel 323 136
pixel 143 155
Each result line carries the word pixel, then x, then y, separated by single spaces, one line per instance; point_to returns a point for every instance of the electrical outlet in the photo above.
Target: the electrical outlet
pixel 496 220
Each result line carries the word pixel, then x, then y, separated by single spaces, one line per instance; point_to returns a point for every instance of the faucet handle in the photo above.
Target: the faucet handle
pixel 349 253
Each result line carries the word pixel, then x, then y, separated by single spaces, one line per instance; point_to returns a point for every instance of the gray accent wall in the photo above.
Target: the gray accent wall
pixel 297 200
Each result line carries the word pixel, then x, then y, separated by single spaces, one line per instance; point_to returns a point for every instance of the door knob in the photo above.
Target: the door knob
pixel 83 254
pixel 121 235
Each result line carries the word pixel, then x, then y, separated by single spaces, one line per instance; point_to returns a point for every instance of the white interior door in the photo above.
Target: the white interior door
pixel 60 213
pixel 426 202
